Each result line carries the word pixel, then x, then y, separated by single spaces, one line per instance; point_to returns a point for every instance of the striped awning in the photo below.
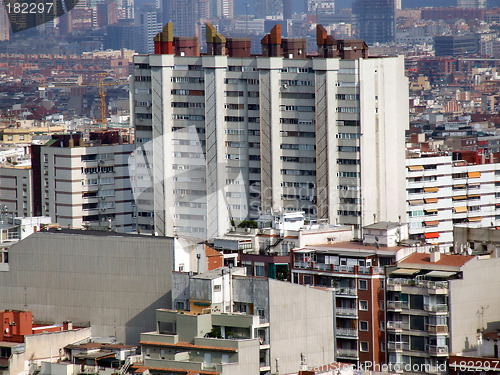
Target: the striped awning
pixel 416 168
pixel 472 219
pixel 431 223
pixel 416 202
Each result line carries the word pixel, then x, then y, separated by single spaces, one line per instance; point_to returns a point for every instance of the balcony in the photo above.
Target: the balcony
pixel 397 305
pixel 345 291
pixel 398 325
pixel 346 332
pixel 437 350
pixel 304 265
pixel 396 346
pixel 322 267
pixel 435 287
pixel 347 353
pixel 437 328
pixel 343 268
pixel 346 311
pixel 436 308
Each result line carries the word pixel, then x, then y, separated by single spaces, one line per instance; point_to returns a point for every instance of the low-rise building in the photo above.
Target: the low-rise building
pixel 294 320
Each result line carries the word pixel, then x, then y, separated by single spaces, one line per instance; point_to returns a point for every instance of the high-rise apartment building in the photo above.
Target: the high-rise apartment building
pixel 148 25
pixel 229 134
pixel 375 20
pixel 84 184
pixel 445 189
pixel 474 4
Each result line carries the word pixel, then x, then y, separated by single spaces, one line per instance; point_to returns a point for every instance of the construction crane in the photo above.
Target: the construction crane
pixel 102 94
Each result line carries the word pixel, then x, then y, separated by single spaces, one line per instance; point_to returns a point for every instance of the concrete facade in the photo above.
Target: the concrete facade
pixel 296 322
pixel 217 153
pixel 15 190
pixel 84 186
pixel 112 281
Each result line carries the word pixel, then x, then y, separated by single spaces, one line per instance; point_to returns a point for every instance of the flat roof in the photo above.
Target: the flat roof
pixel 453 260
pixel 382 225
pixel 102 233
pixel 352 246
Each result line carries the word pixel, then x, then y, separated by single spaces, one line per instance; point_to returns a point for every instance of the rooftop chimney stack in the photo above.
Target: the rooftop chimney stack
pixel 435 255
pixel 271 43
pixel 327 45
pixel 164 40
pixel 216 43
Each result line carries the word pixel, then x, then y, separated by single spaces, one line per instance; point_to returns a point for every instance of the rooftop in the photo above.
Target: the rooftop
pixel 453 260
pixel 351 246
pixel 102 233
pixel 383 225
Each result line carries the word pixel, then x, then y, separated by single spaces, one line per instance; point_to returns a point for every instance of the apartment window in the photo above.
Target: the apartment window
pixel 363 284
pixel 363 346
pixel 382 326
pixel 363 305
pixel 382 284
pixel 217 288
pixel 207 358
pixel 225 358
pixel 260 270
pixel 307 279
pixel 162 353
pixel 363 326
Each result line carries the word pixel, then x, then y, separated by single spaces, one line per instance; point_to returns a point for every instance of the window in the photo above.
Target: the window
pixel 382 326
pixel 363 346
pixel 217 288
pixel 307 279
pixel 382 284
pixel 207 358
pixel 363 284
pixel 363 305
pixel 260 270
pixel 225 358
pixel 363 325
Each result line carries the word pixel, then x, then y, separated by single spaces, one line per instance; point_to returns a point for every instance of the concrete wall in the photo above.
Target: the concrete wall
pixel 115 282
pixel 15 190
pixel 474 303
pixel 45 346
pixel 384 119
pixel 301 321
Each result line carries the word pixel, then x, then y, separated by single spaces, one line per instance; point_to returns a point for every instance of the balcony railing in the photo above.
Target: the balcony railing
pixel 418 283
pixel 343 268
pixel 302 264
pixel 395 345
pixel 346 311
pixel 349 332
pixel 433 349
pixel 436 308
pixel 398 325
pixel 322 267
pixel 347 353
pixel 346 291
pixel 437 328
pixel 397 305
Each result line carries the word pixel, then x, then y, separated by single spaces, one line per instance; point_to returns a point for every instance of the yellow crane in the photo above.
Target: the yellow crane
pixel 102 94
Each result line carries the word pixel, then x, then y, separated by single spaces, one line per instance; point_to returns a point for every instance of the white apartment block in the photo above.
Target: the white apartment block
pixel 15 190
pixel 84 184
pixel 228 137
pixel 442 192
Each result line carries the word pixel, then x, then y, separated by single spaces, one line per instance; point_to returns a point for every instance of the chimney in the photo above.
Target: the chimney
pixel 216 43
pixel 271 43
pixel 327 45
pixel 435 255
pixel 163 41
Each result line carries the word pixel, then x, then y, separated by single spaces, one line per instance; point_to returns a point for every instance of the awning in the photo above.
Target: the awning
pixel 431 223
pixel 474 196
pixel 431 235
pixel 461 186
pixel 459 197
pixel 416 168
pixel 431 211
pixel 440 274
pixel 474 174
pixel 431 189
pixel 416 202
pixel 474 186
pixel 431 200
pixel 471 219
pixel 460 209
pixel 404 271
